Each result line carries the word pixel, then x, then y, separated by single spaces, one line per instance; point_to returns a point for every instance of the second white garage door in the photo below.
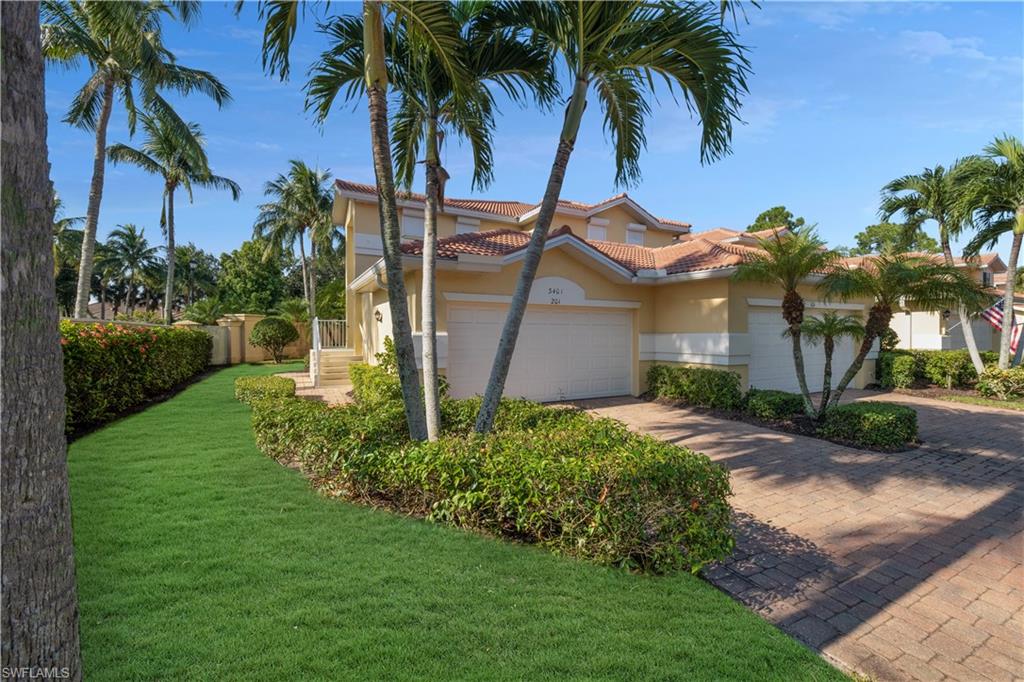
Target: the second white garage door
pixel 560 353
pixel 771 355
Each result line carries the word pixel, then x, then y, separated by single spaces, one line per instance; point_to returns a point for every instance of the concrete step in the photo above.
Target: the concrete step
pixel 333 381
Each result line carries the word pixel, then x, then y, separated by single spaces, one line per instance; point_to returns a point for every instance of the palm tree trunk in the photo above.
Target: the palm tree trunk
pixel 40 605
pixel 169 286
pixel 965 322
pixel 305 276
pixel 103 299
pixel 92 214
pixel 130 303
pixel 376 91
pixel 531 259
pixel 429 314
pixel 1011 275
pixel 879 318
pixel 801 373
pixel 826 381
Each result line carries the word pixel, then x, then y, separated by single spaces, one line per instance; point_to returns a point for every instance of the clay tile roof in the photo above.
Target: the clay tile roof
pixel 630 256
pixel 700 254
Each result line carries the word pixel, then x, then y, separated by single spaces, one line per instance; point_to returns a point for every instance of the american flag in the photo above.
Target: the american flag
pixel 994 315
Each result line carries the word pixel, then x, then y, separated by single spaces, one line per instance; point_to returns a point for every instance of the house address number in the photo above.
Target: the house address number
pixel 555 293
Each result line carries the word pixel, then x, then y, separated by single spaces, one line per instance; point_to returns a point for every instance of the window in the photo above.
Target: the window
pixel 412 224
pixel 986 278
pixel 635 237
pixel 597 232
pixel 466 225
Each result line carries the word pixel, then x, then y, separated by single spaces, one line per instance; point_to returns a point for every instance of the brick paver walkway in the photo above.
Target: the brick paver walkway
pixel 332 395
pixel 898 566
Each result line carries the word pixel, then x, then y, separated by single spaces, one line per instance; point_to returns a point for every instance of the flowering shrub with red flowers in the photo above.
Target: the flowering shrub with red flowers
pixel 110 368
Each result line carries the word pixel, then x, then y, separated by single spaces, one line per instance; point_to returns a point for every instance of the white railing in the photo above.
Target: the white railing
pixel 314 363
pixel 331 333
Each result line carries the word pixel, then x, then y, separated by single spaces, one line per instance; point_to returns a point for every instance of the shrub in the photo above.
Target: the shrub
pixel 273 334
pixel 949 368
pixel 877 425
pixel 371 385
pixel 250 389
pixel 1004 384
pixel 579 485
pixel 696 386
pixel 147 316
pixel 110 368
pixel 204 311
pixel 946 368
pixel 771 405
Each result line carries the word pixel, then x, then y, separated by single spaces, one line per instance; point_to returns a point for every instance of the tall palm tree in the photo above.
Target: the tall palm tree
pixel 620 50
pixel 994 198
pixel 431 108
pixel 67 239
pixel 106 268
pixel 131 251
pixel 123 46
pixel 301 204
pixel 197 271
pixel 888 279
pixel 933 195
pixel 40 606
pixel 180 161
pixel 788 260
pixel 429 24
pixel 826 330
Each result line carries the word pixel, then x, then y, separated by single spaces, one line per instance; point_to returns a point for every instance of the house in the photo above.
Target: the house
pixel 940 329
pixel 618 289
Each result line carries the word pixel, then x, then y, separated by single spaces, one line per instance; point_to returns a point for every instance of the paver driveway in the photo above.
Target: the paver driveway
pixel 900 566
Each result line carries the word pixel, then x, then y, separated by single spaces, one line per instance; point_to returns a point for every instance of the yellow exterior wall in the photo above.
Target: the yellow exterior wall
pixel 700 306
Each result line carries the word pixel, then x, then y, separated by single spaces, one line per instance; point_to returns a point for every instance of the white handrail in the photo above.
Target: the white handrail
pixel 316 353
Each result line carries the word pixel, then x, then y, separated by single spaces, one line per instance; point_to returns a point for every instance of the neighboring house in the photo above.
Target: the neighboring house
pixel 618 289
pixel 940 329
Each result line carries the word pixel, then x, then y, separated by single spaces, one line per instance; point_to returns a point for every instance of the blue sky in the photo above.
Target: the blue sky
pixel 844 97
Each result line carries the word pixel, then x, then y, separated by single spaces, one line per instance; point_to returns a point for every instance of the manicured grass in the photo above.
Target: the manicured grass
pixel 984 402
pixel 199 558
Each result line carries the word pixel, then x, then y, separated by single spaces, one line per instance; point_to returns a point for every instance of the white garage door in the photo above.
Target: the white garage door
pixel 560 353
pixel 771 355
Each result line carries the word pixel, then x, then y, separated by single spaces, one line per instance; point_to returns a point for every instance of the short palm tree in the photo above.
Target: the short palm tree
pixel 131 251
pixel 620 50
pixel 788 260
pixel 933 194
pixel 295 311
pixel 123 45
pixel 180 161
pixel 993 197
pixel 431 108
pixel 889 279
pixel 300 204
pixel 828 329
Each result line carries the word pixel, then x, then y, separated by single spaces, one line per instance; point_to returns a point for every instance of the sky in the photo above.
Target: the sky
pixel 844 97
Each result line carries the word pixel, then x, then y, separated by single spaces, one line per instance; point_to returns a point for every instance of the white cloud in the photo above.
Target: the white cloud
pixel 925 46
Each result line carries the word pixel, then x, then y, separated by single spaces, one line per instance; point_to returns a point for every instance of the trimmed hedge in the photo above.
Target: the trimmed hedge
pixel 877 425
pixel 1004 384
pixel 770 404
pixel 696 386
pixel 946 368
pixel 110 368
pixel 579 485
pixel 250 389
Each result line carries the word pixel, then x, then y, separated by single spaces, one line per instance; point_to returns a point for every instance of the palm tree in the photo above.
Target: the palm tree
pixel 620 49
pixel 787 261
pixel 122 43
pixel 428 24
pixel 993 196
pixel 130 249
pixel 888 279
pixel 933 195
pixel 67 240
pixel 296 311
pixel 197 271
pixel 430 108
pixel 181 162
pixel 105 269
pixel 301 204
pixel 826 330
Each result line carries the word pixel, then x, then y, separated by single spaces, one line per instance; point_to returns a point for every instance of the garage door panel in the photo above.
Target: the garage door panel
pixel 771 357
pixel 559 354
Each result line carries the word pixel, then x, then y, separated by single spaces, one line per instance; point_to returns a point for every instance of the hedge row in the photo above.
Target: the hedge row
pixel 110 368
pixel 946 368
pixel 1004 384
pixel 579 485
pixel 882 426
pixel 698 386
pixel 248 389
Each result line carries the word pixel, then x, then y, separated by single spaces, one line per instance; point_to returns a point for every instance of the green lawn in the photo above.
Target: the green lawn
pixel 200 558
pixel 984 402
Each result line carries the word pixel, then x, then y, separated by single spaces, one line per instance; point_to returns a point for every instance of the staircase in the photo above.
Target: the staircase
pixel 334 363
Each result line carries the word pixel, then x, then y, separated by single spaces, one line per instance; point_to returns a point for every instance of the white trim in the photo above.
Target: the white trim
pixel 464 225
pixel 826 305
pixel 598 221
pixel 636 227
pixel 459 297
pixel 368 244
pixel 716 348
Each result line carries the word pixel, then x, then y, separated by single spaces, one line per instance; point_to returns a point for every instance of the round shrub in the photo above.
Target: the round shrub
pixel 1004 384
pixel 249 389
pixel 771 405
pixel 876 425
pixel 272 334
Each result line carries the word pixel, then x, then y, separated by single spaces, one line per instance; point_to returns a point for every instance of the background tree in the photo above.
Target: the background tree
pixel 933 195
pixel 776 216
pixel 249 282
pixel 40 605
pixel 130 249
pixel 178 157
pixel 888 279
pixel 67 244
pixel 826 330
pixel 787 261
pixel 993 197
pixel 893 238
pixel 621 49
pixel 122 43
pixel 196 272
